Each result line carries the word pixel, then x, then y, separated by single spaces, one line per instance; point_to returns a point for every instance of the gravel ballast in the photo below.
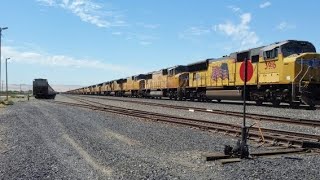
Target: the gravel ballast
pixel 39 139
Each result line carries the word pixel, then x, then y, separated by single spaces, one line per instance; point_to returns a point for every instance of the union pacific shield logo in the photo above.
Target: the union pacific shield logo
pixel 221 72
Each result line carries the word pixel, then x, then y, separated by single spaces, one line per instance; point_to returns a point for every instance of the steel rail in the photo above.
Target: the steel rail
pixel 259 117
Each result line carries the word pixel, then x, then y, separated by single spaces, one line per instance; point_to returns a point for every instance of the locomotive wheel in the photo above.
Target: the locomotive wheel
pixel 276 103
pixel 259 102
pixel 294 105
pixel 311 107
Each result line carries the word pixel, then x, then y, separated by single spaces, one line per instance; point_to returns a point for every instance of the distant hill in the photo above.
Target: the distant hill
pixel 27 87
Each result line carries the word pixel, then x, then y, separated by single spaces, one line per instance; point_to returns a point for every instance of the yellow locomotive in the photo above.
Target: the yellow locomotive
pixel 287 71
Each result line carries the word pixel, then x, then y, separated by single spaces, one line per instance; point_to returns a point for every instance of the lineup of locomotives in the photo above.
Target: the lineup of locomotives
pixel 286 71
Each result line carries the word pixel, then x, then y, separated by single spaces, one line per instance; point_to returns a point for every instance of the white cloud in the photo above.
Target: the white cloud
pixel 48 2
pixel 194 31
pixel 143 39
pixel 88 11
pixel 240 33
pixel 265 4
pixel 234 8
pixel 198 31
pixel 145 43
pixel 117 33
pixel 91 12
pixel 33 57
pixel 283 26
pixel 151 26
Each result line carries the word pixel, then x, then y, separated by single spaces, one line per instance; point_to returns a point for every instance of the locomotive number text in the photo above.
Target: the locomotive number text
pixel 270 65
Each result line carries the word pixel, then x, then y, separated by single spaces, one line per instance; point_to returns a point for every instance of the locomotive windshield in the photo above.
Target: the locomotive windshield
pixel 297 48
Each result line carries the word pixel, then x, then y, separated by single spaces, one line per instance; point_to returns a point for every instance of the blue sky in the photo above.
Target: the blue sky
pixel 83 42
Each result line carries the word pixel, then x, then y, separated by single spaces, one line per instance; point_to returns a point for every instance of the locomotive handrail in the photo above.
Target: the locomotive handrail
pixel 293 89
pixel 302 78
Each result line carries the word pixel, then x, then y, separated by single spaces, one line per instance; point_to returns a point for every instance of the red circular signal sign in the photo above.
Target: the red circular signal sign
pixel 249 70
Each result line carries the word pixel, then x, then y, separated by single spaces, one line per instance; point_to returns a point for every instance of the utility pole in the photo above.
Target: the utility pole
pixel 241 149
pixel 4 28
pixel 7 78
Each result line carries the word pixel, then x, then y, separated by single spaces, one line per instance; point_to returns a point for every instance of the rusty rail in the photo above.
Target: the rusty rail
pixel 260 117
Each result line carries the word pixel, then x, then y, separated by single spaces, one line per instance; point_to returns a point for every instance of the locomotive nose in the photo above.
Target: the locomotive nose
pixel 310 78
pixel 310 60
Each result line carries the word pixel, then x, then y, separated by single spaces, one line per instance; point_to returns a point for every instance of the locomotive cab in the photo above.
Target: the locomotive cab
pixel 304 75
pixel 177 82
pixel 289 72
pixel 177 77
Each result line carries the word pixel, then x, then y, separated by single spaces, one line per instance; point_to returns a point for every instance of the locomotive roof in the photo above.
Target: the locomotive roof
pixel 200 62
pixel 177 66
pixel 139 75
pixel 121 80
pixel 219 59
pixel 200 65
pixel 274 45
pixel 281 43
pixel 159 71
pixel 265 48
pixel 39 79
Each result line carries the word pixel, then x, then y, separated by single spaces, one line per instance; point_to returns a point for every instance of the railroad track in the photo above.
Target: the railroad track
pixel 275 137
pixel 259 117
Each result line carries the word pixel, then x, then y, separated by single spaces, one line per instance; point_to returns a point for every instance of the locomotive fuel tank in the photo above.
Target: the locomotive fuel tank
pixel 224 94
pixel 156 93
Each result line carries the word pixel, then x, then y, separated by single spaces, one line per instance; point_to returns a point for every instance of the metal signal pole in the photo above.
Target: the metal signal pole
pixel 7 79
pixel 244 133
pixel 241 149
pixel 244 91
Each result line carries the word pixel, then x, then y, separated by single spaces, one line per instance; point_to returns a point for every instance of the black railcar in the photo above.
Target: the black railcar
pixel 42 89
